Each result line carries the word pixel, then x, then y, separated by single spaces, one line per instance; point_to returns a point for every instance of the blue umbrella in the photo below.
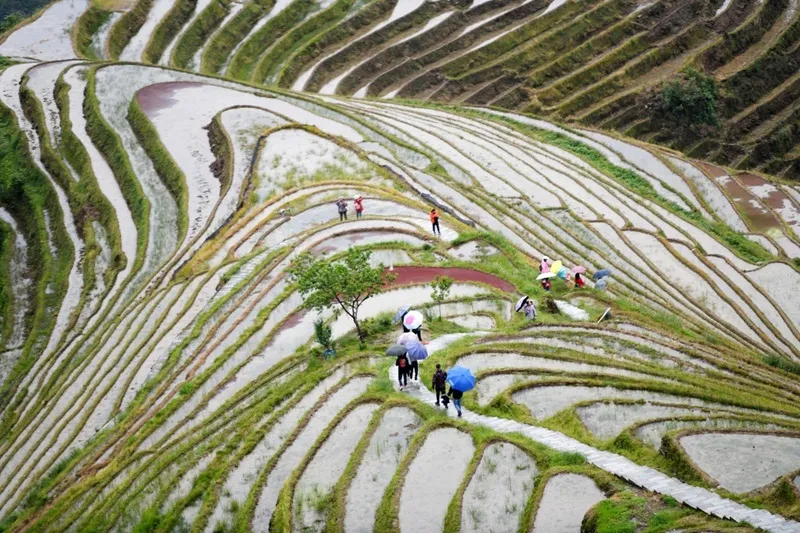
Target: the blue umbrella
pixel 601 273
pixel 416 351
pixel 398 316
pixel 461 378
pixel 562 273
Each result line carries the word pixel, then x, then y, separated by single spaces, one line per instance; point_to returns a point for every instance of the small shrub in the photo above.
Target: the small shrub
pixel 323 334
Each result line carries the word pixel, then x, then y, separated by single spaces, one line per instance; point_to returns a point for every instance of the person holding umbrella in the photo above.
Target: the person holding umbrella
pixel 416 353
pixel 526 304
pixel 401 362
pixel 461 380
pixel 576 272
pixel 412 321
pixel 544 277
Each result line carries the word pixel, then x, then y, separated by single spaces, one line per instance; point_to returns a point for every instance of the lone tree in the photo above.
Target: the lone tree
pixel 441 290
pixel 345 283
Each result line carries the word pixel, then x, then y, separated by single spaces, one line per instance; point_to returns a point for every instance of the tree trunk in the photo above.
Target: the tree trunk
pixel 358 330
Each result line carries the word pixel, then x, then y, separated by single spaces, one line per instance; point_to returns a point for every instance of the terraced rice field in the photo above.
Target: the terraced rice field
pixel 159 369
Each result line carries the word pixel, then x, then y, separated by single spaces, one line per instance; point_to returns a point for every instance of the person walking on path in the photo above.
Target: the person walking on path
pixel 342 205
pixel 456 396
pixel 439 382
pixel 402 370
pixel 530 310
pixel 435 222
pixel 358 203
pixel 413 370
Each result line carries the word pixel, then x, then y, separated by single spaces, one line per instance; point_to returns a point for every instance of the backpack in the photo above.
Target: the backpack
pixel 403 362
pixel 440 379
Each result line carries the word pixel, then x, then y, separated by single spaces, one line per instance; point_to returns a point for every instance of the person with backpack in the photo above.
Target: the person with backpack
pixel 342 206
pixel 435 222
pixel 439 382
pixel 403 366
pixel 358 203
pixel 456 396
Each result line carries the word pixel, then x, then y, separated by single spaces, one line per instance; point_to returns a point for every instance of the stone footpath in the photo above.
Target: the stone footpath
pixel 641 476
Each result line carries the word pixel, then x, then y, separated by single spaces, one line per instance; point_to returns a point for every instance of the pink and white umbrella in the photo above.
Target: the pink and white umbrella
pixel 578 270
pixel 412 320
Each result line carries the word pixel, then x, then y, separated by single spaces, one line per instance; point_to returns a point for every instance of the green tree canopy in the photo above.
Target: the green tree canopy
pixel 690 102
pixel 346 283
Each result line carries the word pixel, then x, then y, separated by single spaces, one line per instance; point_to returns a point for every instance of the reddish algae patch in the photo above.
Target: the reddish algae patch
pixel 407 275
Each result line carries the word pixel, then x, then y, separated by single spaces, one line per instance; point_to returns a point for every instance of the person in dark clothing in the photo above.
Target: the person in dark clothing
pixel 403 368
pixel 413 370
pixel 435 222
pixel 439 382
pixel 456 396
pixel 342 206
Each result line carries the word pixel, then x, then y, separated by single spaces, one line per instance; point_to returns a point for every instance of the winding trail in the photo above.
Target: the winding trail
pixel 641 476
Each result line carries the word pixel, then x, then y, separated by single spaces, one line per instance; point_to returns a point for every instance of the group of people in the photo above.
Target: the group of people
pixel 341 205
pixel 358 204
pixel 408 367
pixel 573 278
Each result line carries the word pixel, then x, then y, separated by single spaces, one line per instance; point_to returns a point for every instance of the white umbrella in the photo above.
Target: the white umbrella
pixel 545 275
pixel 406 338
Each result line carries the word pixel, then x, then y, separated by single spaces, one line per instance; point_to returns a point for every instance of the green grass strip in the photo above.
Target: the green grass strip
pixel 250 54
pixel 127 27
pixel 325 29
pixel 6 299
pixel 168 29
pixel 233 33
pixel 108 142
pixel 167 169
pixel 198 33
pixel 26 194
pixel 86 28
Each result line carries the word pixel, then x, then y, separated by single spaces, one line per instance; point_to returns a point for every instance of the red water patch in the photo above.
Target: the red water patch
pixel 776 197
pixel 407 275
pixel 761 219
pixel 713 170
pixel 154 98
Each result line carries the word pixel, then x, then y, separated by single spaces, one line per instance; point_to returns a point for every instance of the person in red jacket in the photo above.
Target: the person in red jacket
pixel 435 222
pixel 579 281
pixel 358 202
